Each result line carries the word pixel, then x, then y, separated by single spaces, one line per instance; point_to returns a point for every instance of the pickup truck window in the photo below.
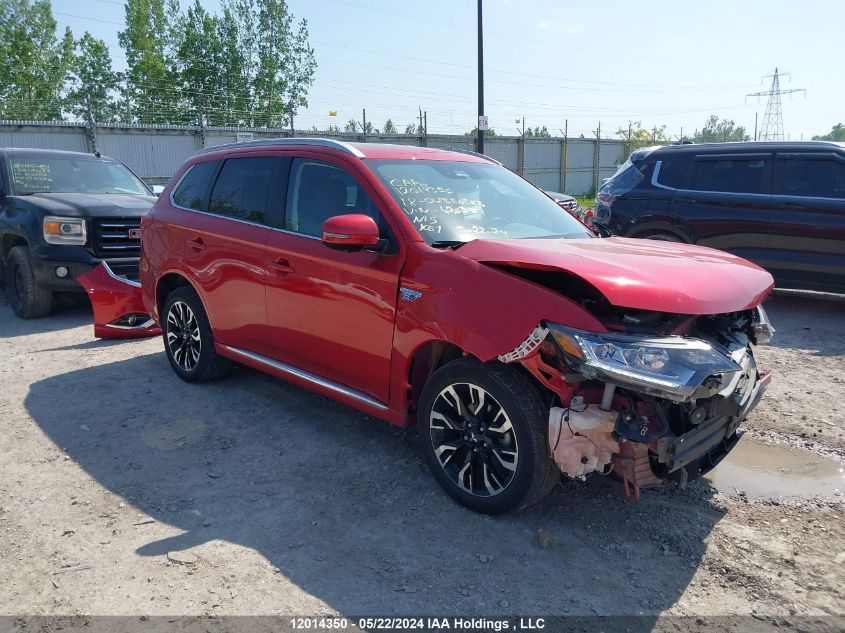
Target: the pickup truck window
pixel 72 175
pixel 451 202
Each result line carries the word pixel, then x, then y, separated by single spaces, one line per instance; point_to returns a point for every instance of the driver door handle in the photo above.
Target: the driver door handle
pixel 280 266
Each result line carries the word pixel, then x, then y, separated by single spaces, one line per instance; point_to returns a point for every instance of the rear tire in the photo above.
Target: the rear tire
pixel 188 341
pixel 29 300
pixel 484 435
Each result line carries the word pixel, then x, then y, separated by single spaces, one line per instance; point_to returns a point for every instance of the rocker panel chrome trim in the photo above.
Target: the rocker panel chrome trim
pixel 306 376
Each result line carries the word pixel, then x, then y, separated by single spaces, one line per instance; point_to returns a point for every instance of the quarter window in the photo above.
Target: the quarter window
pixel 192 191
pixel 730 175
pixel 812 178
pixel 244 190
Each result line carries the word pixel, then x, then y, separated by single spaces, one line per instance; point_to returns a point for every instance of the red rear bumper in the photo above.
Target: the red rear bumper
pixel 118 305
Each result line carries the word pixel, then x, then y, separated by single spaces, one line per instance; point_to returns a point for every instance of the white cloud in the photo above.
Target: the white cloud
pixel 557 26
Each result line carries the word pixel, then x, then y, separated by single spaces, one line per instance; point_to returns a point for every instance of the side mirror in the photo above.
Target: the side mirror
pixel 351 232
pixel 157 190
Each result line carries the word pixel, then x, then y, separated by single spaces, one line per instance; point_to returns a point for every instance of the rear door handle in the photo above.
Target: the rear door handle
pixel 196 244
pixel 281 266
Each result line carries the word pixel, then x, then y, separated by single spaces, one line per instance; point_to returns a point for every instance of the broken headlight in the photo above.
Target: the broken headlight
pixel 671 367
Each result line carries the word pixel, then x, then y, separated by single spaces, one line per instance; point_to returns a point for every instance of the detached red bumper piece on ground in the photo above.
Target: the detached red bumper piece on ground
pixel 118 305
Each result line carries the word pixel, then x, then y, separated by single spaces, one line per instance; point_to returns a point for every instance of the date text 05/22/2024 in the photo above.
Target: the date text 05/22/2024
pixel 423 624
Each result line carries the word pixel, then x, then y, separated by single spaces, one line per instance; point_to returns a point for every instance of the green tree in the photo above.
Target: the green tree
pixel 411 128
pixel 720 131
pixel 837 133
pixel 149 39
pixel 200 65
pixel 474 132
pixel 33 62
pixel 537 132
pixel 351 126
pixel 92 83
pixel 636 136
pixel 286 63
pixel 389 128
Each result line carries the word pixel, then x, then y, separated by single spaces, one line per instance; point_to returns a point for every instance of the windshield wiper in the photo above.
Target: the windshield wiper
pixel 447 243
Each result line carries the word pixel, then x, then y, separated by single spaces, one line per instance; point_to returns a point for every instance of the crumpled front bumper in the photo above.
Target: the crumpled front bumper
pixel 710 443
pixel 118 305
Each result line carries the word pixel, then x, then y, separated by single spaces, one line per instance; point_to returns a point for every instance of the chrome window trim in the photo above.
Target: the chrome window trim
pixel 307 376
pixel 281 142
pixel 654 176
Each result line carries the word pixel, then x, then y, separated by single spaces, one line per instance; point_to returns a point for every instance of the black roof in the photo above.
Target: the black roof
pixel 754 147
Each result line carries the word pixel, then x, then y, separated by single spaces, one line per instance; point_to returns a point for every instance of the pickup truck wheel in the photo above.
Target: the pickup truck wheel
pixel 484 434
pixel 29 300
pixel 188 340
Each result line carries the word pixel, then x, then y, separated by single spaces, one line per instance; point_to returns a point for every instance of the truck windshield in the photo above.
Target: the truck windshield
pixel 453 202
pixel 38 174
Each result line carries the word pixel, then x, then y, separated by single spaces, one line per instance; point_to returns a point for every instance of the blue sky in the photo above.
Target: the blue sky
pixel 587 62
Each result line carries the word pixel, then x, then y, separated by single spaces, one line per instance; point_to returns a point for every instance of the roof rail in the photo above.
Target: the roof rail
pixel 316 142
pixel 471 153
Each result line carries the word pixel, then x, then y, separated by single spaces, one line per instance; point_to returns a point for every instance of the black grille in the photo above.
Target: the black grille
pixel 112 237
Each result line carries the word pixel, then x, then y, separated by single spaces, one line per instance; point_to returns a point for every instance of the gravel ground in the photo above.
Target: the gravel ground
pixel 126 491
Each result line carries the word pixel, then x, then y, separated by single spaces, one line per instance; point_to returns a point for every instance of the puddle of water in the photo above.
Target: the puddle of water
pixel 771 471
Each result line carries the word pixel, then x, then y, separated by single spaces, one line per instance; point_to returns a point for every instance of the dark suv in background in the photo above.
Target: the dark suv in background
pixel 780 205
pixel 61 214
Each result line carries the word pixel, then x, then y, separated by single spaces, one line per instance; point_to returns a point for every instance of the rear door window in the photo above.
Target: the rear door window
pixel 192 191
pixel 812 178
pixel 248 189
pixel 730 175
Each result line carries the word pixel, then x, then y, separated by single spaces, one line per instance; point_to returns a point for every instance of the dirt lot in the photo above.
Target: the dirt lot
pixel 125 491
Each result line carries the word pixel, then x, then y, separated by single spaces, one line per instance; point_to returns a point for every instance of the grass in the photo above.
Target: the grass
pixel 586 201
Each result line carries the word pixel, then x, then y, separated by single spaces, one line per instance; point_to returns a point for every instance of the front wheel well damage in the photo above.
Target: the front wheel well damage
pixel 426 360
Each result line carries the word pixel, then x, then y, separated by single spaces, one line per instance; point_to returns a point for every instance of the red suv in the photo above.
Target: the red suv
pixel 437 286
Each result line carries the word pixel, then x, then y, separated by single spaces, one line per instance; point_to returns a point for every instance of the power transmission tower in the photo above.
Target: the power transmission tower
pixel 772 127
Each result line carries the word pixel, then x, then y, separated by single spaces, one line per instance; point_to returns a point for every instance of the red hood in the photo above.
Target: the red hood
pixel 642 274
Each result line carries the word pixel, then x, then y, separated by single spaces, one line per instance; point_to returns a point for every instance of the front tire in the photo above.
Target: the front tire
pixel 29 300
pixel 188 341
pixel 484 435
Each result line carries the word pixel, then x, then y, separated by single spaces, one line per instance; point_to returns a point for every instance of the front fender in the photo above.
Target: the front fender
pixel 118 305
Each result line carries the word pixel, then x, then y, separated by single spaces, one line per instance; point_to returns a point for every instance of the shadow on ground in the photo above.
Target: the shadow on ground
pixel 69 310
pixel 345 508
pixel 809 321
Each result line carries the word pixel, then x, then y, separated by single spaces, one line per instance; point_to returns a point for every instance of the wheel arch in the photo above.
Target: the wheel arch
pixel 169 282
pixel 10 241
pixel 422 363
pixel 648 228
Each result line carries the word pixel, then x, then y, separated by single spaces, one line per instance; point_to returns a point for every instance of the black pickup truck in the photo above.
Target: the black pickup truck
pixel 61 214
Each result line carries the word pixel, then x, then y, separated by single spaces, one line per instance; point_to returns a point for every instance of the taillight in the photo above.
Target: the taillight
pixel 605 197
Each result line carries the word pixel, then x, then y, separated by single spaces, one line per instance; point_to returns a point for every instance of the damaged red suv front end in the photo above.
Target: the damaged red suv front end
pixel 660 390
pixel 438 288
